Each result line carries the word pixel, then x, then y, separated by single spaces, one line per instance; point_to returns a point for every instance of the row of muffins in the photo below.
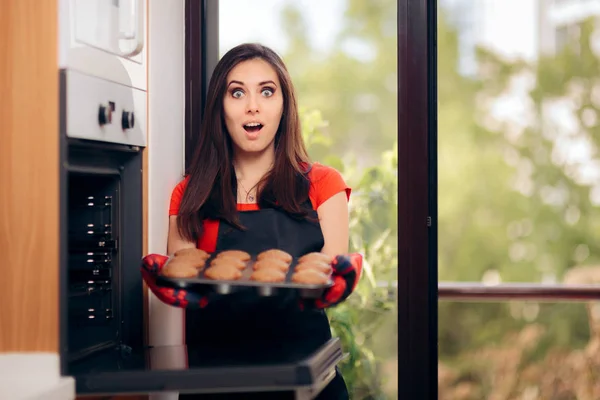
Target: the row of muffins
pixel 270 266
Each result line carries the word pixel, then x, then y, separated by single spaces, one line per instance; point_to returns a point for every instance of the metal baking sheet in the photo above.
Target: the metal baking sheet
pixel 263 288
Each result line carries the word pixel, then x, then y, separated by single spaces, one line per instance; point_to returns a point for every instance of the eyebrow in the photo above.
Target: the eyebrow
pixel 260 84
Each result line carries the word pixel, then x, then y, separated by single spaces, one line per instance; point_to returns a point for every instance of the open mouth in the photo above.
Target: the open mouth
pixel 253 127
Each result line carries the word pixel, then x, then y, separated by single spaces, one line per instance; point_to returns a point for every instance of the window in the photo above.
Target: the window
pixel 518 206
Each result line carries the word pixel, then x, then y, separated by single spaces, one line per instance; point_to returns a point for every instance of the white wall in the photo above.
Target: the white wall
pixel 166 109
pixel 34 376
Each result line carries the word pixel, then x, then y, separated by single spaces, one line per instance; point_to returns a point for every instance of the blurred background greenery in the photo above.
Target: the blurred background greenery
pixel 519 180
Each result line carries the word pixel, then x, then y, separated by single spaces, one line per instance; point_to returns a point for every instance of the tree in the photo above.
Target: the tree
pixel 357 94
pixel 525 212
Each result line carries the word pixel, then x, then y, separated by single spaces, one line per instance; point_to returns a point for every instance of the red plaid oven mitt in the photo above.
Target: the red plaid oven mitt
pixel 151 266
pixel 347 270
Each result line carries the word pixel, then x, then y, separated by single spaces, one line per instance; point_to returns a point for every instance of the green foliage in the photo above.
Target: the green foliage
pixel 373 232
pixel 357 93
pixel 513 203
pixel 539 207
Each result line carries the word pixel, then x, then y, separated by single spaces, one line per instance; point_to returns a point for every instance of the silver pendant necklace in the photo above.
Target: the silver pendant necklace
pixel 249 196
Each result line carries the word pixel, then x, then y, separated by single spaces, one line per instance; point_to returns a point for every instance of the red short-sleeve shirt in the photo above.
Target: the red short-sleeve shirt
pixel 324 183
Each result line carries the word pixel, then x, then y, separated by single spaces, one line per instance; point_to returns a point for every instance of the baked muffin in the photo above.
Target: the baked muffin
pixel 315 265
pixel 310 277
pixel 191 261
pixel 193 257
pixel 193 252
pixel 178 269
pixel 231 261
pixel 223 273
pixel 275 253
pixel 270 275
pixel 271 263
pixel 239 254
pixel 316 257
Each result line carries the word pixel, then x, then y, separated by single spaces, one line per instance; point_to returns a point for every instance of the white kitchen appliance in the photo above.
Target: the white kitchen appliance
pixel 102 55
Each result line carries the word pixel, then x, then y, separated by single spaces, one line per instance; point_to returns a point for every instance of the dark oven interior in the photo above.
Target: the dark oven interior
pixel 101 249
pixel 93 262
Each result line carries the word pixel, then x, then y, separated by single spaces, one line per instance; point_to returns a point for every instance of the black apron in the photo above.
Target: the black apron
pixel 276 325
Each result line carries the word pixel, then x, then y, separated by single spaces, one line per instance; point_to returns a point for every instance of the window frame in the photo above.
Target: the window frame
pixel 201 56
pixel 417 199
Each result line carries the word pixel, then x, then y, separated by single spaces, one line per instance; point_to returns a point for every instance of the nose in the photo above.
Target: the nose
pixel 252 105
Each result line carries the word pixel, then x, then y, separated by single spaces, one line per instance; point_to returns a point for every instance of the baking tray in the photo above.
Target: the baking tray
pixel 201 283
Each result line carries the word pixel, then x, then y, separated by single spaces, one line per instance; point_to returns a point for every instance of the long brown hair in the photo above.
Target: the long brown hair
pixel 212 185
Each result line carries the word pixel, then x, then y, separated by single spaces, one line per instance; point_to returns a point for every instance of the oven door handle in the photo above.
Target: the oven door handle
pixel 136 10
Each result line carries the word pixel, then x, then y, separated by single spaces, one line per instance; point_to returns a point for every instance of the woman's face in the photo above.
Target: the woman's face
pixel 253 106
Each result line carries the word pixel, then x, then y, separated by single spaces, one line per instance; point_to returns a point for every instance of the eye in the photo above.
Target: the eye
pixel 237 93
pixel 267 92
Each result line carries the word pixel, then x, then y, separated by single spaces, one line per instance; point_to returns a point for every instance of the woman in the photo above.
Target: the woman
pixel 251 187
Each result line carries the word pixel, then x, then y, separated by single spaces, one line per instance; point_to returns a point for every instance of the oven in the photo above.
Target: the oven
pixel 102 141
pixel 103 134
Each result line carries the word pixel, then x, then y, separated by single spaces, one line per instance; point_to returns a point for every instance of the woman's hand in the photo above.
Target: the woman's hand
pixel 152 264
pixel 347 270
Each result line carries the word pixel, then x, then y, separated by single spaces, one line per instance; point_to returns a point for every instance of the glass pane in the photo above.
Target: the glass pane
pixel 519 350
pixel 342 58
pixel 519 168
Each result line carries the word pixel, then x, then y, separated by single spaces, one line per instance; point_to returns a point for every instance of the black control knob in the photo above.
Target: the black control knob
pixel 127 120
pixel 103 115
